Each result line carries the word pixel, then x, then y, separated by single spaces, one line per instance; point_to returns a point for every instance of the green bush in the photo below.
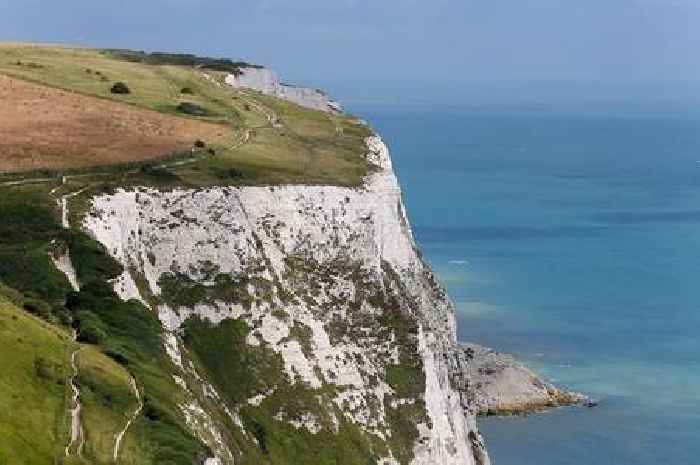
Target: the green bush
pixel 120 88
pixel 158 173
pixel 43 369
pixel 193 109
pixel 11 295
pixel 91 260
pixel 27 227
pixel 228 173
pixel 37 307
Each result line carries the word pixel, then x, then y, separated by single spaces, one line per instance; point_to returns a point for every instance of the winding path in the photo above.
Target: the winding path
pixel 76 426
pixel 120 436
pixel 64 206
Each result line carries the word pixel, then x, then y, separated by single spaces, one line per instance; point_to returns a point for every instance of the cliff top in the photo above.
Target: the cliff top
pixel 162 119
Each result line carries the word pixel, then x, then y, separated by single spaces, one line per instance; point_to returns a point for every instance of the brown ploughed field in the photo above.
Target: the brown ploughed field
pixel 47 128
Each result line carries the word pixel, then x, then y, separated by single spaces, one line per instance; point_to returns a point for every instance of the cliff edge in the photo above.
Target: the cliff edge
pixel 328 280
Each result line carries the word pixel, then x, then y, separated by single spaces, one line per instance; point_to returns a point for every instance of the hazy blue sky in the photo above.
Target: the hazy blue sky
pixel 356 44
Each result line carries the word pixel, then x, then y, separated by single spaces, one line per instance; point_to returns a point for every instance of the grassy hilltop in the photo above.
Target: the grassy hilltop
pixel 63 117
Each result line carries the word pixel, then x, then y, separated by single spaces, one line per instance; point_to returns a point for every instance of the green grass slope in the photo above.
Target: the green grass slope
pixel 34 395
pixel 108 402
pixel 268 141
pixel 118 338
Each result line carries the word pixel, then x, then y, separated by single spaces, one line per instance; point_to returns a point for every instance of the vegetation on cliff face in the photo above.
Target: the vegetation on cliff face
pixel 123 338
pixel 131 334
pixel 241 371
pixel 28 226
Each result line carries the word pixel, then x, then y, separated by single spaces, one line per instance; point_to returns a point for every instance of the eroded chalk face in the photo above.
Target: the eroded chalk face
pixel 318 295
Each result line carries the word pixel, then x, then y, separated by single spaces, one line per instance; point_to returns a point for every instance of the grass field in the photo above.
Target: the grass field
pixel 48 128
pixel 263 140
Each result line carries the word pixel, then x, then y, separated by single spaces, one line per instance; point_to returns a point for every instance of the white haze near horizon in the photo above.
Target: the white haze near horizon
pixel 406 49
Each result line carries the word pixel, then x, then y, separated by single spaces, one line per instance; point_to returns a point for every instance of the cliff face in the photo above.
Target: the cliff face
pixel 297 310
pixel 267 82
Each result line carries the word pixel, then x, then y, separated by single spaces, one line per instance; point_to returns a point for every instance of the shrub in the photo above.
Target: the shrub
pixel 193 109
pixel 37 307
pixel 228 173
pixel 91 259
pixel 42 368
pixel 30 65
pixel 159 172
pixel 91 331
pixel 11 295
pixel 118 357
pixel 260 436
pixel 120 88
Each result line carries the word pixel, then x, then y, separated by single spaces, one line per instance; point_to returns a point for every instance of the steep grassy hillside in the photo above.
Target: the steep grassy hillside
pixel 119 339
pixel 35 395
pixel 34 361
pixel 263 140
pixel 108 403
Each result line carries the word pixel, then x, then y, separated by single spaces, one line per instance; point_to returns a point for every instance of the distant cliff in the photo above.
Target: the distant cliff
pixel 267 82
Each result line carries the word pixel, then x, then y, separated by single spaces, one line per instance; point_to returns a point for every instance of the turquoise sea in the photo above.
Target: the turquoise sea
pixel 570 238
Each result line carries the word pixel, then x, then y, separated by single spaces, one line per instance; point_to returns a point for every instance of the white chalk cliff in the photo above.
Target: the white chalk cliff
pixel 340 263
pixel 266 81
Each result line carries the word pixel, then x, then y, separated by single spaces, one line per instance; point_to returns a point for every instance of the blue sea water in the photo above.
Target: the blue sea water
pixel 570 238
